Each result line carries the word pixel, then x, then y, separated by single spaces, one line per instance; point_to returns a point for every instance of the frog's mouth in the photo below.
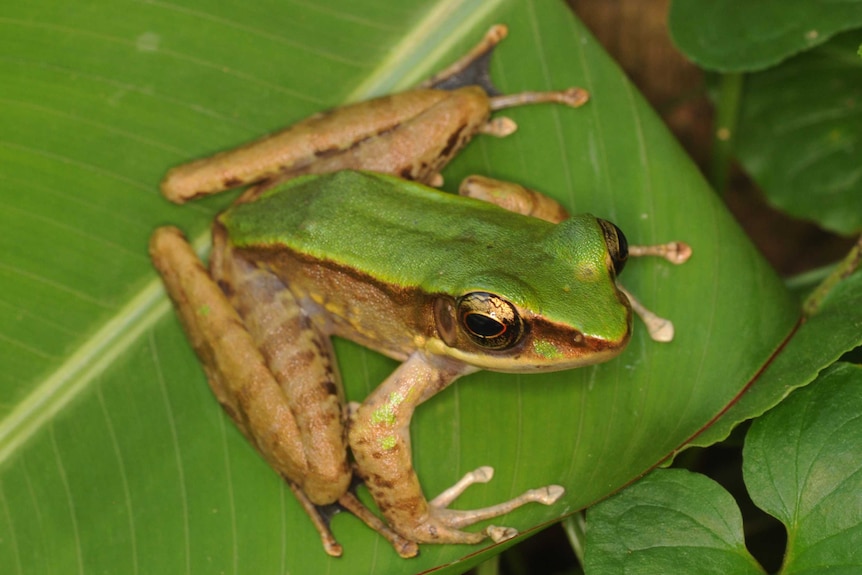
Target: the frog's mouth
pixel 545 347
pixel 550 348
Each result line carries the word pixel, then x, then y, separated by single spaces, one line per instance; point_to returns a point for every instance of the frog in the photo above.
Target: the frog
pixel 342 232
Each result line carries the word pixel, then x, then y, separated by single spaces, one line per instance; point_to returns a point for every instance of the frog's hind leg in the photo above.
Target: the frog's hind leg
pixel 501 126
pixel 473 69
pixel 320 520
pixel 321 515
pixel 237 372
pixel 404 547
pixel 513 197
pixel 242 380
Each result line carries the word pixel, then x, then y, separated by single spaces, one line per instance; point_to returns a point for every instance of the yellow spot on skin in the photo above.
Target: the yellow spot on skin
pixel 204 310
pixel 387 443
pixel 334 309
pixel 385 414
pixel 546 349
pixel 587 273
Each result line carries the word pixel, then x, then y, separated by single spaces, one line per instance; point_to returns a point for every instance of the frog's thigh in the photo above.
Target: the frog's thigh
pixel 237 372
pixel 513 197
pixel 301 360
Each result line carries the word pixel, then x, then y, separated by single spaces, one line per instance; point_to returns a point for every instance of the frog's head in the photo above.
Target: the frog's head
pixel 568 313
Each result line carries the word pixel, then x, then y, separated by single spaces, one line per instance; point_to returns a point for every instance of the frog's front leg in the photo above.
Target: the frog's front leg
pixel 380 440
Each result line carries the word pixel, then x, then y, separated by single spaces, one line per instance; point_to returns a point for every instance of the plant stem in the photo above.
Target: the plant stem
pixel 845 267
pixel 489 567
pixel 727 114
pixel 575 527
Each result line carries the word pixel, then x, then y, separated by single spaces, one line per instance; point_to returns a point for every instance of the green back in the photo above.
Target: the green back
pixel 410 235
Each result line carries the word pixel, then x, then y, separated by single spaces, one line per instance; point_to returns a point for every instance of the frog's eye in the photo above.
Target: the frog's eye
pixel 489 320
pixel 618 246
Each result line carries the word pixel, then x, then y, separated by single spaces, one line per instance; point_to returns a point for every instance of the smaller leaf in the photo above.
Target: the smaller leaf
pixel 802 464
pixel 672 521
pixel 819 342
pixel 799 132
pixel 740 35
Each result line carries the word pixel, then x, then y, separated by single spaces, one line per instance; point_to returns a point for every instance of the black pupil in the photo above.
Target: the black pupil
pixel 618 246
pixel 483 325
pixel 624 245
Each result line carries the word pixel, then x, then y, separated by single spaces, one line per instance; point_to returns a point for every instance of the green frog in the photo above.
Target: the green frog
pixel 340 234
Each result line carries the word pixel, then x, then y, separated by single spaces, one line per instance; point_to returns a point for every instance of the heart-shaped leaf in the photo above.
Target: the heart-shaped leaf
pixel 802 465
pixel 670 522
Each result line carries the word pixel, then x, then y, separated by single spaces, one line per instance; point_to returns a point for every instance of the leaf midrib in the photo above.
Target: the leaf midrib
pixel 82 367
pixel 411 59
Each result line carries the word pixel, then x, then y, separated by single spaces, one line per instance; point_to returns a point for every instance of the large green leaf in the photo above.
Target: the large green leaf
pixel 113 455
